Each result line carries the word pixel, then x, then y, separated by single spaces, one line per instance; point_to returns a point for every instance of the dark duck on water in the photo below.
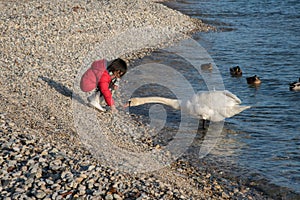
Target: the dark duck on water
pixel 295 85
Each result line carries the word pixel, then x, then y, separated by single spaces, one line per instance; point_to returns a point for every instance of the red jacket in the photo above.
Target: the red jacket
pixel 103 86
pixel 97 75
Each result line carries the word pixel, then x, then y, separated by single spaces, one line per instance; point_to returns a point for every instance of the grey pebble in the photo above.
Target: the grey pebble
pixel 45 45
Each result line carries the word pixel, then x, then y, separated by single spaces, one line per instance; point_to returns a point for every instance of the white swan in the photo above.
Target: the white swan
pixel 210 105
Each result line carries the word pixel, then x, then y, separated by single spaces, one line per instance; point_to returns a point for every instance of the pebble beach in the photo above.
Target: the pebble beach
pixel 44 45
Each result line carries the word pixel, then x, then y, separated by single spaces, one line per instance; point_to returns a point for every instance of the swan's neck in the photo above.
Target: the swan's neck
pixel 174 103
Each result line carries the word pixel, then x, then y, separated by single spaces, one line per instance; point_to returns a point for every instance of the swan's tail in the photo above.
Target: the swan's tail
pixel 235 110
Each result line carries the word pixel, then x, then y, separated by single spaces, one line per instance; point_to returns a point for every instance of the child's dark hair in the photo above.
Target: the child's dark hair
pixel 118 65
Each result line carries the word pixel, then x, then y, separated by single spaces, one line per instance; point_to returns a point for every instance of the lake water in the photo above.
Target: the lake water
pixel 263 38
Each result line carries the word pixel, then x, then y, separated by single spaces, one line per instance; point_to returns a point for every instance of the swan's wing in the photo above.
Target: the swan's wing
pixel 232 96
pixel 214 105
pixel 216 99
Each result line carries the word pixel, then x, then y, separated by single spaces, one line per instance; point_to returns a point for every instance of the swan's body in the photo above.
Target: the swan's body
pixel 295 85
pixel 211 105
pixel 214 106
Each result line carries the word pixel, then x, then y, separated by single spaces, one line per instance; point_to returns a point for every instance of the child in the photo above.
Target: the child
pixel 106 79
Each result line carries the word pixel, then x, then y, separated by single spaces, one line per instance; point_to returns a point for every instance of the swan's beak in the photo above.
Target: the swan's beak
pixel 127 104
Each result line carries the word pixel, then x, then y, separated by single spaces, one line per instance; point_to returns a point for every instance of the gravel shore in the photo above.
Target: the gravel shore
pixel 44 45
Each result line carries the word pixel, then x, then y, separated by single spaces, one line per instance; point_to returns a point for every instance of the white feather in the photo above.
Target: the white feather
pixel 209 105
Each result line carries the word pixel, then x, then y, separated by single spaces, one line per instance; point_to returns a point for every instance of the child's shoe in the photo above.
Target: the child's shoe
pixel 94 101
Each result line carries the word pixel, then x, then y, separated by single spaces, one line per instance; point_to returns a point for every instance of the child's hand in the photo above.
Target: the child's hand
pixel 116 87
pixel 114 109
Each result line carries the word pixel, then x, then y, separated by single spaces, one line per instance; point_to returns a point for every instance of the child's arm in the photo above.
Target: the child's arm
pixel 104 88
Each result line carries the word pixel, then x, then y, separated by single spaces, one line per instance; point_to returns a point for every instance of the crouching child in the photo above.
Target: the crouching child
pixel 103 80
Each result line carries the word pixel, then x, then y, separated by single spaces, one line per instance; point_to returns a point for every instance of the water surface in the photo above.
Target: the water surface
pixel 262 37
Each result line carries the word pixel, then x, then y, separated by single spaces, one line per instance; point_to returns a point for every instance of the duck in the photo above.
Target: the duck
pixel 236 71
pixel 208 105
pixel 295 85
pixel 207 66
pixel 253 80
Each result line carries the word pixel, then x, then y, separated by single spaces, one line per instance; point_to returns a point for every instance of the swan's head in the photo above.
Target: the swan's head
pixel 135 102
pixel 132 102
